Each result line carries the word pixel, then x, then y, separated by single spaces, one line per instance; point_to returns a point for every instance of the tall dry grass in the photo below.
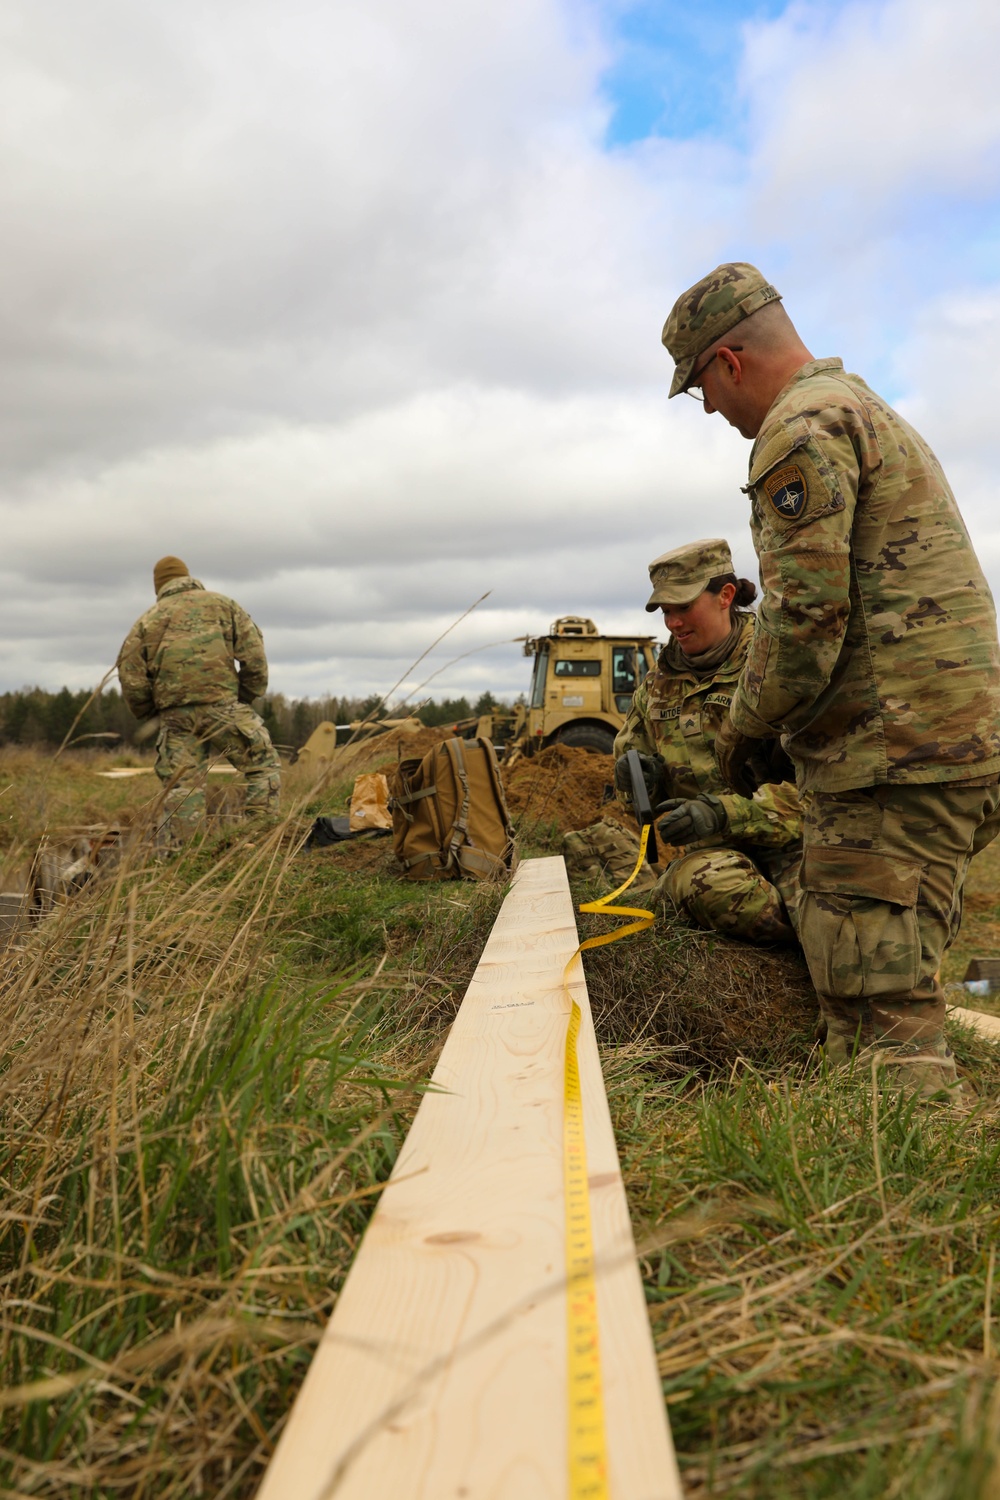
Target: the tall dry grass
pixel 209 1063
pixel 195 1121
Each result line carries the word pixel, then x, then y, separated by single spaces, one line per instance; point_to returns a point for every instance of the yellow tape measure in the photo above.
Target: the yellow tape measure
pixel 588 1447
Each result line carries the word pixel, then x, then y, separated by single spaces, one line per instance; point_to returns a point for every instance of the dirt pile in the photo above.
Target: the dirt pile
pixel 380 752
pixel 708 999
pixel 561 786
pixel 404 744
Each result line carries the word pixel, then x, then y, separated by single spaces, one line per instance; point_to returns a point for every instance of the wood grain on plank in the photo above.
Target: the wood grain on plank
pixel 442 1372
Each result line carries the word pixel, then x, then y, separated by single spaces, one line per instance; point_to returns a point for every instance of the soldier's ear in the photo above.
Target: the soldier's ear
pixel 734 368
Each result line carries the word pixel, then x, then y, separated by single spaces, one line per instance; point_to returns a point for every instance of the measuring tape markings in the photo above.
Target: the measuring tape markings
pixel 588 1448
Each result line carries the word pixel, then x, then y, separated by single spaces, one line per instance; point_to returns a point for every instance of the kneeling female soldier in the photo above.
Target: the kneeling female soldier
pixel 737 866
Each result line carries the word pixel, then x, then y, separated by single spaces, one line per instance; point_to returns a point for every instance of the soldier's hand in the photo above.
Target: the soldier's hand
pixel 653 774
pixel 147 729
pixel 732 752
pixel 689 819
pixel 771 762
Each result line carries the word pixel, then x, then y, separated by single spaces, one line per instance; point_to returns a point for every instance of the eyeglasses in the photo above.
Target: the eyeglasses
pixel 700 395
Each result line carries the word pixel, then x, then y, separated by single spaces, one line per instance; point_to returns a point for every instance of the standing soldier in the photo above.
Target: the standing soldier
pixel 737 865
pixel 180 661
pixel 874 654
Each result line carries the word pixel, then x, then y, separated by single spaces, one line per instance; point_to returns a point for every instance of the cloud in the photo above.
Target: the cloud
pixel 353 308
pixel 873 158
pixel 875 146
pixel 857 105
pixel 382 529
pixel 952 399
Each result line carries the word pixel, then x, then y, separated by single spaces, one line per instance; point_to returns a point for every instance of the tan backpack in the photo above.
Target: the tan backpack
pixel 449 816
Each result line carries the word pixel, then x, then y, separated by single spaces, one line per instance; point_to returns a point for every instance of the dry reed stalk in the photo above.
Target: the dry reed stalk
pixel 112 1010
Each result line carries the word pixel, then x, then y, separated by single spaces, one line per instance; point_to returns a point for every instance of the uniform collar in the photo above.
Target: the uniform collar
pixel 676 664
pixel 805 372
pixel 178 586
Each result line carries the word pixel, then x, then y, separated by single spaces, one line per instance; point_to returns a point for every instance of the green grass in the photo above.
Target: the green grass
pixel 818 1288
pixel 210 1064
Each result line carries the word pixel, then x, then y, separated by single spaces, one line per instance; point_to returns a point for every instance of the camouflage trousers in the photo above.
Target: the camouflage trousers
pixel 606 851
pixel 882 873
pixel 189 736
pixel 725 891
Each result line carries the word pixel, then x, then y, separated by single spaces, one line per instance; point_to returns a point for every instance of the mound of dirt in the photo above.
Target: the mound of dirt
pixel 381 751
pixel 405 743
pixel 563 786
pixel 709 1000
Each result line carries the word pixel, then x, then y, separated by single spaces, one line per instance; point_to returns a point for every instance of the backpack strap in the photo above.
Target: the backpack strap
pixel 493 770
pixel 403 802
pixel 433 856
pixel 471 858
pixel 460 827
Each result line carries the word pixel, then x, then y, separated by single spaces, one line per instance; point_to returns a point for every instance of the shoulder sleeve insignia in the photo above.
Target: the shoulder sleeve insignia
pixel 786 490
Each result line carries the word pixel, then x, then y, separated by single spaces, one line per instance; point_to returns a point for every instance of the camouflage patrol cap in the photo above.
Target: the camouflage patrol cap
pixel 709 309
pixel 678 577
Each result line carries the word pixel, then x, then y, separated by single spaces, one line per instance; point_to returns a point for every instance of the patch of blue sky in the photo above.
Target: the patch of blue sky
pixel 956 230
pixel 939 245
pixel 675 67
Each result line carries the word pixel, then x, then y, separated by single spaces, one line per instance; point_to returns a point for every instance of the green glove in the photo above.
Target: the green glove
pixel 688 820
pixel 653 774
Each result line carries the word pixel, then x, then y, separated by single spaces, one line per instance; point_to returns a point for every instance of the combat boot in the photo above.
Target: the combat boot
pixel 857 1037
pixel 927 1070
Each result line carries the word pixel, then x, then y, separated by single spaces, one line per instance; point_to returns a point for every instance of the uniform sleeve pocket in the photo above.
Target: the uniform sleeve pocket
pixel 858 922
pixel 793 483
pixel 755 667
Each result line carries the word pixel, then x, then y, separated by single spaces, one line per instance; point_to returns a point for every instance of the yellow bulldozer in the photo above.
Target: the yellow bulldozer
pixel 326 736
pixel 581 689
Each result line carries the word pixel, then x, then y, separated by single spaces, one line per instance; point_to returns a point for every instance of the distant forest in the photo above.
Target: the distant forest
pixel 33 716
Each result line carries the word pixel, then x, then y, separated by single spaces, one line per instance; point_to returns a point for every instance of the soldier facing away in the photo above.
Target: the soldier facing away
pixel 197 660
pixel 874 656
pixel 737 869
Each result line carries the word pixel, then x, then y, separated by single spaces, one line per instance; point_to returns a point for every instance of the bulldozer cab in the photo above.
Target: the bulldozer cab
pixel 581 688
pixel 582 683
pixel 628 668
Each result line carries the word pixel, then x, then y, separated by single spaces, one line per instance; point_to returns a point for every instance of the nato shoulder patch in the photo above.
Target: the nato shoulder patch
pixel 786 490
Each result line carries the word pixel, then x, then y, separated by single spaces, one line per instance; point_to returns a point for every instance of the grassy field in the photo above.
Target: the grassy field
pixel 211 1061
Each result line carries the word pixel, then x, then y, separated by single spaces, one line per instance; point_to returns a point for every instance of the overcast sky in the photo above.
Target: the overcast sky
pixel 356 306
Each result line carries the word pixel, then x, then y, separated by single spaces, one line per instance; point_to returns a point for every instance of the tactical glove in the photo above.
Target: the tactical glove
pixel 690 819
pixel 732 752
pixel 653 774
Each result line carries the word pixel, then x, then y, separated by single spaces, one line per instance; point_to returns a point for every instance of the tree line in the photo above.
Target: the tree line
pixel 35 716
pixel 290 721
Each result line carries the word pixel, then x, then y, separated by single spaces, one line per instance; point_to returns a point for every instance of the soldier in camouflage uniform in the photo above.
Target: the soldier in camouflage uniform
pixel 875 656
pixel 179 661
pixel 737 866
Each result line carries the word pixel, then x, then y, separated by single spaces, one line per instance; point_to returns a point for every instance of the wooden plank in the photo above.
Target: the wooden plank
pixel 119 772
pixel 443 1370
pixel 988 1026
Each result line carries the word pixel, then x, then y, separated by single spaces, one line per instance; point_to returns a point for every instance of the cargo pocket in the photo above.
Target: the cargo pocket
pixel 858 922
pixel 236 732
